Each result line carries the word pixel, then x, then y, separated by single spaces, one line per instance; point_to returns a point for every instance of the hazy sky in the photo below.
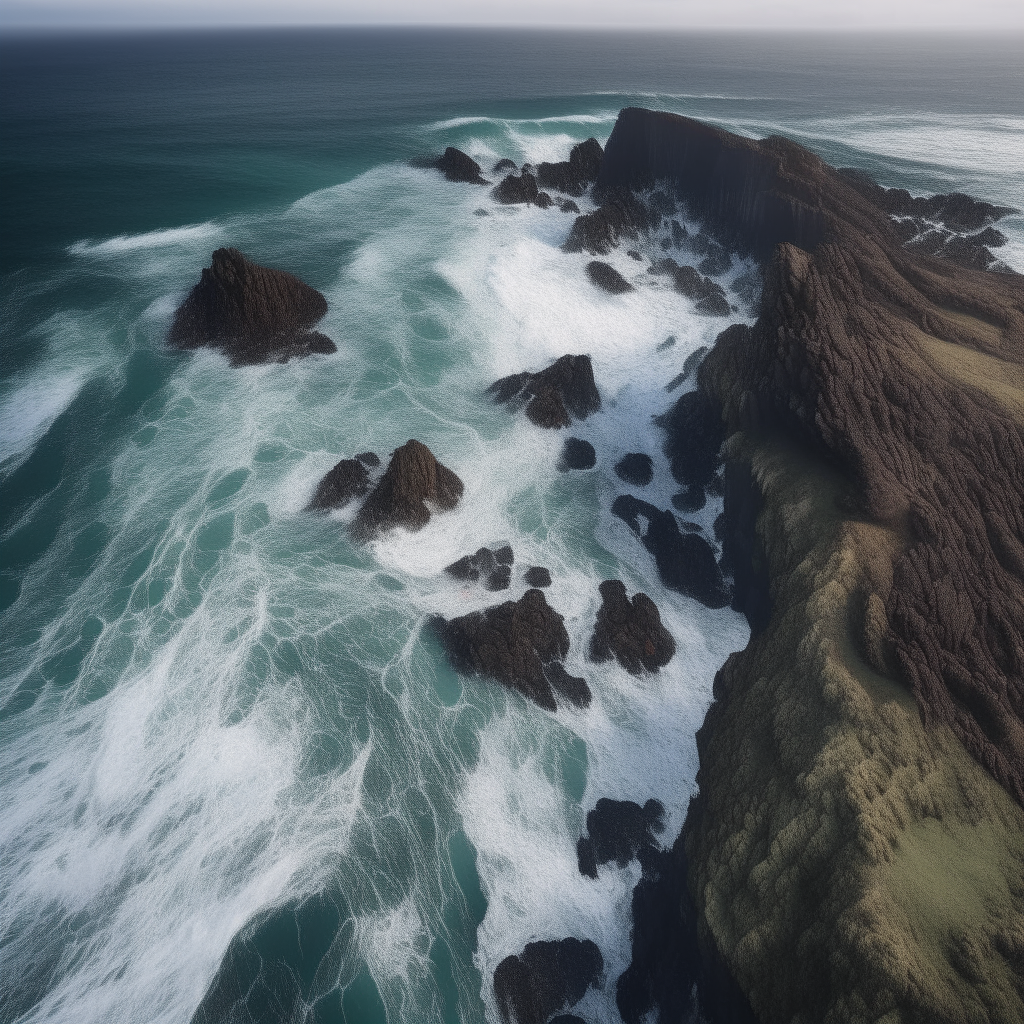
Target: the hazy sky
pixel 679 14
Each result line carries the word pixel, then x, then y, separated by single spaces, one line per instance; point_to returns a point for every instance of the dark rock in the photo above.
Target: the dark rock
pixel 504 555
pixel 504 166
pixel 666 266
pixel 636 469
pixel 537 576
pixel 676 381
pixel 481 212
pixel 621 215
pixel 686 562
pixel 517 189
pixel 693 360
pixel 667 344
pixel 574 175
pixel 695 433
pixel 688 527
pixel 577 454
pixel 634 255
pixel 631 632
pixel 554 396
pixel 543 200
pixel 693 499
pixel 567 1018
pixel 679 234
pixel 253 313
pixel 618 831
pixel 546 978
pixel 992 237
pixel 500 578
pixel 346 481
pixel 370 459
pixel 464 569
pixel 708 296
pixel 574 689
pixel 568 206
pixel 742 551
pixel 512 642
pixel 413 478
pixel 608 278
pixel 457 166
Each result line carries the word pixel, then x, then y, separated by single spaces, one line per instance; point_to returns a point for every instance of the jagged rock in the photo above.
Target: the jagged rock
pixel 621 215
pixel 413 478
pixel 504 166
pixel 537 576
pixel 253 313
pixel 707 295
pixel 493 566
pixel 545 978
pixel 348 480
pixel 607 277
pixel 631 632
pixel 636 469
pixel 517 643
pixel 617 831
pixel 577 173
pixel 666 266
pixel 514 188
pixel 554 396
pixel 568 206
pixel 577 454
pixel 457 166
pixel 370 459
pixel 686 562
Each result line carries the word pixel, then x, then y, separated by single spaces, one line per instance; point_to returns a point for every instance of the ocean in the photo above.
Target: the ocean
pixel 240 780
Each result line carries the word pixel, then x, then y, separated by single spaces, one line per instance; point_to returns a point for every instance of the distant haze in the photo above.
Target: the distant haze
pixel 920 15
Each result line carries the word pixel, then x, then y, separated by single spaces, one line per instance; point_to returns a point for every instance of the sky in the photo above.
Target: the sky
pixel 954 15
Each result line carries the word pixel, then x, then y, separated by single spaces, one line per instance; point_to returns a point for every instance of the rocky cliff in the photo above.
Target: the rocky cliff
pixel 856 851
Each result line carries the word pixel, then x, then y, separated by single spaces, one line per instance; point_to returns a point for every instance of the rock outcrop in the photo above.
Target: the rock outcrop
pixel 553 397
pixel 606 277
pixel 577 454
pixel 855 851
pixel 253 313
pixel 545 978
pixel 457 166
pixel 413 478
pixel 494 567
pixel 517 188
pixel 519 643
pixel 621 215
pixel 631 632
pixel 575 175
pixel 348 480
pixel 619 830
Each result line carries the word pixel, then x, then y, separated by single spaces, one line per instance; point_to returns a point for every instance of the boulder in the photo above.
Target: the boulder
pixel 554 396
pixel 607 277
pixel 457 166
pixel 685 561
pixel 547 977
pixel 574 175
pixel 413 478
pixel 348 480
pixel 253 313
pixel 513 188
pixel 492 566
pixel 568 206
pixel 635 468
pixel 621 215
pixel 370 459
pixel 617 831
pixel 630 631
pixel 577 454
pixel 707 295
pixel 504 166
pixel 518 643
pixel 537 576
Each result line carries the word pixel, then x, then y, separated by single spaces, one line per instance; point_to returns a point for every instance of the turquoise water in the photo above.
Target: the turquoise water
pixel 239 780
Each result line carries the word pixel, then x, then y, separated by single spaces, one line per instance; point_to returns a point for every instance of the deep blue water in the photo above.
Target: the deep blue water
pixel 227 743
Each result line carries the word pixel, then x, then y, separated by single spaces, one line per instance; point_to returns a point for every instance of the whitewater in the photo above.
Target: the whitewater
pixel 240 780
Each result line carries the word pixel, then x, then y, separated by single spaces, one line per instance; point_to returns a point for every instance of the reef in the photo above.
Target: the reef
pixel 856 848
pixel 253 313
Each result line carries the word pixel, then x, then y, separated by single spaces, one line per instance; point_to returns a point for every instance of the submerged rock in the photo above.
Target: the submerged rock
pixel 636 468
pixel 413 478
pixel 255 314
pixel 348 480
pixel 618 830
pixel 607 277
pixel 457 166
pixel 545 978
pixel 518 643
pixel 555 395
pixel 577 454
pixel 630 631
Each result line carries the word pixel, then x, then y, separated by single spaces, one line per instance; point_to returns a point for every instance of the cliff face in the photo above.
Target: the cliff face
pixel 857 845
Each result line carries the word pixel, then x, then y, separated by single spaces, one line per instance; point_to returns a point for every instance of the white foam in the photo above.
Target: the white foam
pixel 119 245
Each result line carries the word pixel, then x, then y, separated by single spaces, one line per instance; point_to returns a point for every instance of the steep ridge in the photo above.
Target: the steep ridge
pixel 855 851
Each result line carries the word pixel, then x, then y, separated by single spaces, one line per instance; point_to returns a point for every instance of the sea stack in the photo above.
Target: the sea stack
pixel 255 314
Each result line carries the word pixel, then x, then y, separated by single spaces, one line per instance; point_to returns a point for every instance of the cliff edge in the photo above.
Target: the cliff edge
pixel 856 849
